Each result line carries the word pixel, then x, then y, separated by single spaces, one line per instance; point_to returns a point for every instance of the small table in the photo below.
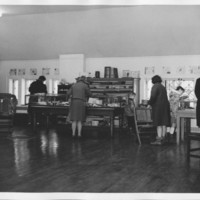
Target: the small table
pixel 181 116
pixel 64 110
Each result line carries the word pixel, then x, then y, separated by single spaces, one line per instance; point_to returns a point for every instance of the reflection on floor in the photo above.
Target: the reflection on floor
pixel 51 161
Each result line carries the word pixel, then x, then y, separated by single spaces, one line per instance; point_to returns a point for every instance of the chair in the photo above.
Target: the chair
pixel 143 123
pixel 190 148
pixel 8 104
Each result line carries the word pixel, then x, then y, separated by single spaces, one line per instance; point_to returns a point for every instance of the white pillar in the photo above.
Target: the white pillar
pixel 70 66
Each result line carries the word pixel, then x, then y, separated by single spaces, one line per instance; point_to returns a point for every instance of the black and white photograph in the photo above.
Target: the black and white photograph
pixel 21 72
pixel 100 100
pixel 33 71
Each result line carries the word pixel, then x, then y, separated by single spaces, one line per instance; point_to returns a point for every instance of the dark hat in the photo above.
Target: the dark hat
pixel 42 78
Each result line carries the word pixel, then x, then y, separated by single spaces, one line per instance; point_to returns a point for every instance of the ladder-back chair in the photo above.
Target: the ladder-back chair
pixel 8 104
pixel 143 123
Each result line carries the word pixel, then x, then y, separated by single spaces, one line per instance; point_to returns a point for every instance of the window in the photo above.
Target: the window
pixel 147 88
pixel 53 86
pixel 14 87
pixel 25 90
pixel 187 84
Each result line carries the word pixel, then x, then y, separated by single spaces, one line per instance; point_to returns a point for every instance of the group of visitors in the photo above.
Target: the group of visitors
pixel 164 109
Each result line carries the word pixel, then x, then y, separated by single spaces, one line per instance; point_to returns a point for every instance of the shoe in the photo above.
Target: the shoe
pixel 157 142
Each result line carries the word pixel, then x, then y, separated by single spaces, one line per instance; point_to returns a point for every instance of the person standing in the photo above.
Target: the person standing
pixel 160 109
pixel 36 87
pixel 174 100
pixel 79 93
pixel 197 94
pixel 129 111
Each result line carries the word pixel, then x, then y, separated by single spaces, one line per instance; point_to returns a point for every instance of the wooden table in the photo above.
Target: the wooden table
pixel 111 112
pixel 182 115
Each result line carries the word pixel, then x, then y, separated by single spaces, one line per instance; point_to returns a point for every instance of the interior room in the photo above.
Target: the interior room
pixel 118 48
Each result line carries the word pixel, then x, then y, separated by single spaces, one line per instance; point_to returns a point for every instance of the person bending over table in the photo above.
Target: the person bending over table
pixel 37 87
pixel 79 93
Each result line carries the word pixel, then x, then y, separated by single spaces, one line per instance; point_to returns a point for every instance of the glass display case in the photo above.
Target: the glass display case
pixel 46 99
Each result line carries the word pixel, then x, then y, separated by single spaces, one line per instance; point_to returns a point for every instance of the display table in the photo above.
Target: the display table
pixel 111 112
pixel 182 115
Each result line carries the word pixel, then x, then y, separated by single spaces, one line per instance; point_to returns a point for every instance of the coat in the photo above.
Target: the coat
pixel 197 93
pixel 37 87
pixel 79 93
pixel 160 105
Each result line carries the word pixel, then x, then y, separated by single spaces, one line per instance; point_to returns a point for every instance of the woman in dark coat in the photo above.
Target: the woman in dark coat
pixel 197 93
pixel 160 108
pixel 79 93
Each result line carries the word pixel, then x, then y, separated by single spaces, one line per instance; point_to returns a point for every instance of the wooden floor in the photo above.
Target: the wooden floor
pixel 51 161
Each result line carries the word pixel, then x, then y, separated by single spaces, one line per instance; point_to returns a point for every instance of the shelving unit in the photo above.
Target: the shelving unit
pixel 115 88
pixel 113 92
pixel 63 89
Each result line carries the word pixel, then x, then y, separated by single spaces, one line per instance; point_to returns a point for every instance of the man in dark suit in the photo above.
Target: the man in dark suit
pixel 36 87
pixel 197 93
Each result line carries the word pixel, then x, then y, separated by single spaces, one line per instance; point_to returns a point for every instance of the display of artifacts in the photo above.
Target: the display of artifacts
pixel 45 71
pixel 22 72
pixel 13 72
pixel 149 70
pixel 33 71
pixel 166 70
pixel 56 71
pixel 180 70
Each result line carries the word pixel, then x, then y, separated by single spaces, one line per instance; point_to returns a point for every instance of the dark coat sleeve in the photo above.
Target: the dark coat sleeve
pixel 88 92
pixel 197 89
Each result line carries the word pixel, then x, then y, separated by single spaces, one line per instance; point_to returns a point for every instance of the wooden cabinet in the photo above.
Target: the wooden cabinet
pixel 63 89
pixel 114 89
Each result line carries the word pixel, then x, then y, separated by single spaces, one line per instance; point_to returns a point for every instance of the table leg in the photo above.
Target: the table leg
pixel 111 125
pixel 34 120
pixel 178 130
pixel 182 131
pixel 47 125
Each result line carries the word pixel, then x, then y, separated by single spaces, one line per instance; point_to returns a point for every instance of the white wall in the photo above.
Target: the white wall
pixel 70 66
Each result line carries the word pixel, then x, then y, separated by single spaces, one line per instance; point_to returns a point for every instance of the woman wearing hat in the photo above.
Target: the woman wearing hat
pixel 79 93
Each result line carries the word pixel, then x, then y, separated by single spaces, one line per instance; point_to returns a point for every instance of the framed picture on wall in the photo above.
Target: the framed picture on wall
pixel 180 70
pixel 45 71
pixel 149 70
pixel 21 72
pixel 194 69
pixel 33 71
pixel 135 74
pixel 13 72
pixel 56 71
pixel 166 70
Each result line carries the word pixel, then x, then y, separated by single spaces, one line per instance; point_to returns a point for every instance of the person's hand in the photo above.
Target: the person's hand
pixel 149 106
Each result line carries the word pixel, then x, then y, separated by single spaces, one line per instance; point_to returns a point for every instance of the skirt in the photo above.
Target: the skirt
pixel 77 110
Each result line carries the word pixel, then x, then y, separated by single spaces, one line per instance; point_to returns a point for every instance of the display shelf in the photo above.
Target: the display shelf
pixel 113 89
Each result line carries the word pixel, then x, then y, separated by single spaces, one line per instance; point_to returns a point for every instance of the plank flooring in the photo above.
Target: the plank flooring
pixel 51 161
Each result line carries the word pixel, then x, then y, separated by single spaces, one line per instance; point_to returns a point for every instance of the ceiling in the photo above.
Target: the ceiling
pixel 35 32
pixel 13 10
